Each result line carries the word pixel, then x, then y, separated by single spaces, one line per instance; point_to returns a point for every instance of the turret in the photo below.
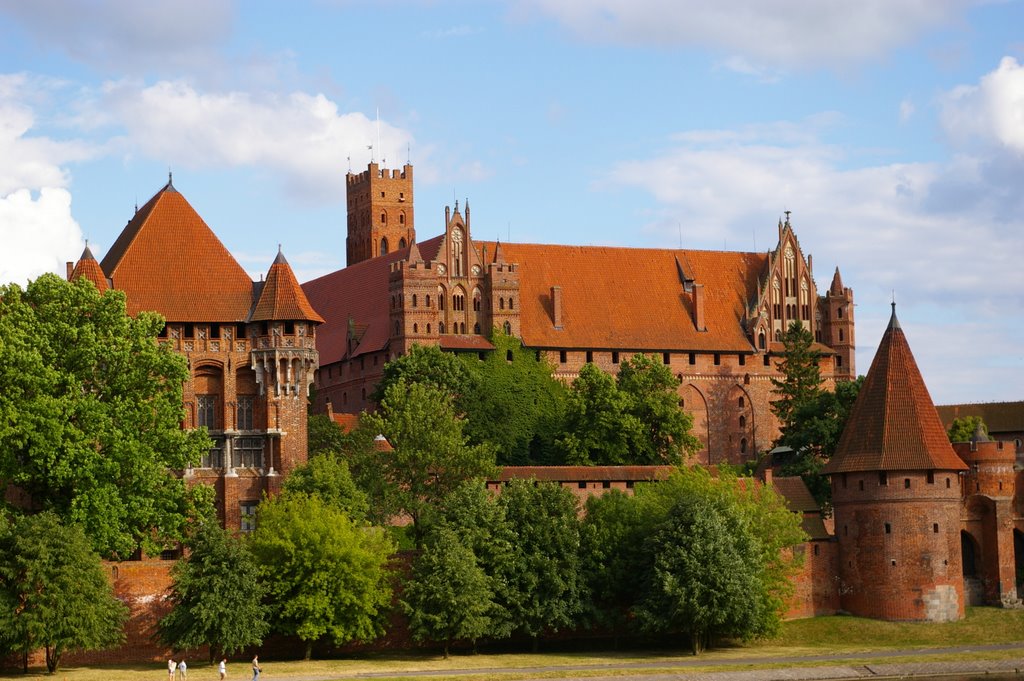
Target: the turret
pixel 380 212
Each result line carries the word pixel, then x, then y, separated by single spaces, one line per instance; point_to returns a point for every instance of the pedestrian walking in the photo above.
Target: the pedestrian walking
pixel 256 668
pixel 172 666
pixel 183 670
pixel 223 668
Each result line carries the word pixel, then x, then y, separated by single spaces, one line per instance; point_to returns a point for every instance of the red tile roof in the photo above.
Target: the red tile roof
pixel 358 293
pixel 88 267
pixel 348 422
pixel 584 473
pixel 627 298
pixel 999 417
pixel 281 297
pixel 893 425
pixel 633 298
pixel 168 260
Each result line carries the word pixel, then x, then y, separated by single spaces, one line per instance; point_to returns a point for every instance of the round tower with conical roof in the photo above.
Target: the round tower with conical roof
pixel 896 497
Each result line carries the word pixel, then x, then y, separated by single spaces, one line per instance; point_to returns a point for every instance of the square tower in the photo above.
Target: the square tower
pixel 380 212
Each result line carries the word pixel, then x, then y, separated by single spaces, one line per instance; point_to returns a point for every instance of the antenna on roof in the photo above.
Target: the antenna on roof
pixel 170 177
pixel 408 154
pixel 349 157
pixel 370 147
pixel 383 161
pixel 787 212
pixel 136 203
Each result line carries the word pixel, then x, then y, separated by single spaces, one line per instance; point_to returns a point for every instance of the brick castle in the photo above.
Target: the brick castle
pixel 922 528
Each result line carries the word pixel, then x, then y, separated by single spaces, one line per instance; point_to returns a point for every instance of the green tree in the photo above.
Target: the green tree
pixel 599 429
pixel 431 454
pixel 54 592
pixel 612 556
pixel 476 517
pixel 216 596
pixel 962 428
pixel 513 401
pixel 703 575
pixel 449 595
pixel 327 477
pixel 814 435
pixel 324 436
pixel 427 364
pixel 324 575
pixel 762 532
pixel 664 434
pixel 800 383
pixel 90 414
pixel 545 583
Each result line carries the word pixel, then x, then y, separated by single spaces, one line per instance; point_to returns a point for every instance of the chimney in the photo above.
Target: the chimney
pixel 698 307
pixel 768 475
pixel 556 306
pixel 71 269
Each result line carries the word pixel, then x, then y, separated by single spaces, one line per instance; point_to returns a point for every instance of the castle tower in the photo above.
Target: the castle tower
pixel 282 327
pixel 88 267
pixel 414 303
pixel 838 326
pixel 896 496
pixel 503 280
pixel 991 564
pixel 380 212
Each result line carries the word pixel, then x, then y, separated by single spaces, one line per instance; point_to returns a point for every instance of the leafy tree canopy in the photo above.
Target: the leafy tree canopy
pixel 431 454
pixel 216 596
pixel 327 477
pixel 632 420
pixel 545 583
pixel 513 401
pixel 54 592
pixel 90 414
pixel 424 364
pixel 963 428
pixel 449 595
pixel 800 383
pixel 324 436
pixel 325 576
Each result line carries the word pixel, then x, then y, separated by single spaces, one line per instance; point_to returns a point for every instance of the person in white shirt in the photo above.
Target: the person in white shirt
pixel 183 670
pixel 171 666
pixel 223 668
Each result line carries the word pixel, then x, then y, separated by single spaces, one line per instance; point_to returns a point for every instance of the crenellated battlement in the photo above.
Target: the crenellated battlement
pixel 375 172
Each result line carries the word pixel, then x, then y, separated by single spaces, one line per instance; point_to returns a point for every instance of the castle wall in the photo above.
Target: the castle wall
pixel 899 549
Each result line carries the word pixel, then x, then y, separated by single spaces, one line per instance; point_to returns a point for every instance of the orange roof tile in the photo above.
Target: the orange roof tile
pixel 88 267
pixel 348 422
pixel 999 417
pixel 633 298
pixel 582 473
pixel 168 260
pixel 281 297
pixel 893 425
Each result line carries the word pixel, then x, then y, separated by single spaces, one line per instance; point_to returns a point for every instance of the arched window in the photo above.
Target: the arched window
pixel 743 422
pixel 760 341
pixel 508 329
pixel 477 304
pixel 383 246
pixel 776 304
pixel 401 243
pixel 458 302
pixel 401 218
pixel 476 328
pixel 440 327
pixel 414 301
pixel 511 303
pixel 501 303
pixel 440 297
pixel 427 301
pixel 383 218
pixel 428 328
pixel 415 328
pixel 839 312
pixel 840 335
pixel 743 446
pixel 462 327
pixel 742 402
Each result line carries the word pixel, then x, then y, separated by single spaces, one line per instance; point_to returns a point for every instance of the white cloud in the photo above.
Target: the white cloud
pixel 301 137
pixel 38 234
pixel 907 110
pixel 783 33
pixel 990 113
pixel 128 35
pixel 950 231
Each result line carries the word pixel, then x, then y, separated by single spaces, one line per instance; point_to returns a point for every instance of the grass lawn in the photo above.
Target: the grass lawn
pixel 847 636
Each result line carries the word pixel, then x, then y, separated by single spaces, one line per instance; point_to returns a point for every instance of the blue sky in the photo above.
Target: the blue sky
pixel 892 129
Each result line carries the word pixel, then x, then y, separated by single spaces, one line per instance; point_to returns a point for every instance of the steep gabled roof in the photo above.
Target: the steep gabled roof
pixel 281 297
pixel 168 260
pixel 999 417
pixel 633 298
pixel 893 425
pixel 89 268
pixel 360 293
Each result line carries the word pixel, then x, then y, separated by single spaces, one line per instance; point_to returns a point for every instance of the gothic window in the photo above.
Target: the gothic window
pixel 840 335
pixel 789 271
pixel 508 329
pixel 458 302
pixel 776 303
pixel 805 308
pixel 247 510
pixel 462 327
pixel 383 246
pixel 245 411
pixel 440 297
pixel 414 301
pixel 476 328
pixel 401 243
pixel 457 252
pixel 476 300
pixel 743 446
pixel 401 219
pixel 440 327
pixel 428 328
pixel 383 218
pixel 742 402
pixel 760 340
pixel 206 411
pixel 839 312
pixel 511 303
pixel 415 328
pixel 743 422
pixel 248 452
pixel 427 300
pixel 501 303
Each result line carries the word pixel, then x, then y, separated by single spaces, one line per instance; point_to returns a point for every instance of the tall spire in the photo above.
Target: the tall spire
pixel 893 425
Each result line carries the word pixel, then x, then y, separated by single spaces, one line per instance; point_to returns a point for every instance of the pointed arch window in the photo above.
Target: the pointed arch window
pixel 383 218
pixel 805 308
pixel 760 341
pixel 477 300
pixel 440 298
pixel 401 243
pixel 508 329
pixel 384 246
pixel 440 328
pixel 776 299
